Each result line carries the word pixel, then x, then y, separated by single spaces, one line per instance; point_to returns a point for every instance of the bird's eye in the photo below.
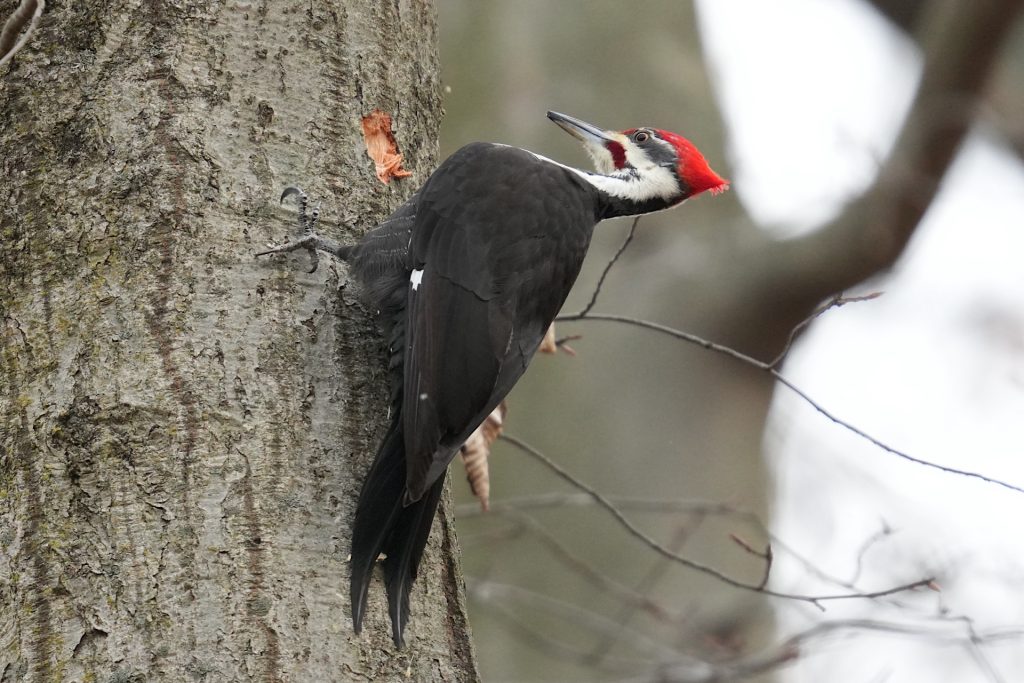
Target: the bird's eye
pixel 640 136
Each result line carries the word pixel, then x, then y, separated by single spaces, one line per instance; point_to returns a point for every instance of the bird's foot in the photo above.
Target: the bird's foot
pixel 310 240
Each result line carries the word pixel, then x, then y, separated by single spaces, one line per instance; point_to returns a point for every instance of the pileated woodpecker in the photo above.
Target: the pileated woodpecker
pixel 468 275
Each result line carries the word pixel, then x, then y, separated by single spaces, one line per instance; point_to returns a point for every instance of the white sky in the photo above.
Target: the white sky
pixel 814 91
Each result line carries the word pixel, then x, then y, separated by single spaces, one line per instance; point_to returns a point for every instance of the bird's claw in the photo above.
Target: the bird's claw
pixel 292 189
pixel 307 222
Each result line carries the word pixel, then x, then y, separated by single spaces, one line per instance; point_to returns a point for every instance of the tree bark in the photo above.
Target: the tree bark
pixel 185 428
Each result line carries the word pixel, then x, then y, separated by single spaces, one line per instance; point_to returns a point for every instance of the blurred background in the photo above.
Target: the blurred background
pixel 798 102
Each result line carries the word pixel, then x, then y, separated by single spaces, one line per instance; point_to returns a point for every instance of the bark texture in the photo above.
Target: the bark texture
pixel 185 428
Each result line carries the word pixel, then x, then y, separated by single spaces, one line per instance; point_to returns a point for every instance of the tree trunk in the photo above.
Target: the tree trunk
pixel 185 428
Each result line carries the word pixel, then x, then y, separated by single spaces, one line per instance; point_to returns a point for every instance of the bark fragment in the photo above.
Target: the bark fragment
pixel 382 147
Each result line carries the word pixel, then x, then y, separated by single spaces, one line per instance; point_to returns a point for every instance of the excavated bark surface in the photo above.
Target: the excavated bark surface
pixel 184 427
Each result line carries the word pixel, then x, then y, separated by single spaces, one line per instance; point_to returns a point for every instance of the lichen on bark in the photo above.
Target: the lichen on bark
pixel 184 428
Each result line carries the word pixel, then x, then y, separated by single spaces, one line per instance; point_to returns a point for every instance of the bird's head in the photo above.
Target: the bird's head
pixel 668 164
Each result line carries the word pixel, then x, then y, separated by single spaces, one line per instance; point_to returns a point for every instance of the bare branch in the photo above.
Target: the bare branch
pixel 608 267
pixel 488 591
pixel 767 555
pixel 836 301
pixel 889 449
pixel 961 43
pixel 567 558
pixel 781 379
pixel 698 508
pixel 637 533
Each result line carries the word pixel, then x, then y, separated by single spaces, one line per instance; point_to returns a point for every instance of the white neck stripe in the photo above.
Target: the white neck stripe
pixel 633 185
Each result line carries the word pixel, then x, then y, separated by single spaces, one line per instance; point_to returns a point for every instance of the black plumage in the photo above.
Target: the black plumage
pixel 495 272
pixel 467 276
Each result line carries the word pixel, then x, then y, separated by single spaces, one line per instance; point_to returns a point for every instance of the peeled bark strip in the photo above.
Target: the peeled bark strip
pixel 184 427
pixel 477 450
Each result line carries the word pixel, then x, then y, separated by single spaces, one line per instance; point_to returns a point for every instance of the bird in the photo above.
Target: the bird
pixel 466 277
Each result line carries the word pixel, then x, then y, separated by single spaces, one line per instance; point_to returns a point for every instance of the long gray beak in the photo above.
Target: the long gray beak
pixel 581 130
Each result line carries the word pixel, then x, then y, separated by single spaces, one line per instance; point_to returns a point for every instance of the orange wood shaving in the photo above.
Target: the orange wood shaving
pixel 551 343
pixel 548 344
pixel 381 146
pixel 477 449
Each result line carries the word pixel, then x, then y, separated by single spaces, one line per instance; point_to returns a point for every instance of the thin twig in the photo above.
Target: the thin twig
pixel 608 267
pixel 696 507
pixel 885 447
pixel 875 538
pixel 836 301
pixel 637 533
pixel 647 583
pixel 489 590
pixel 767 555
pixel 781 379
pixel 560 552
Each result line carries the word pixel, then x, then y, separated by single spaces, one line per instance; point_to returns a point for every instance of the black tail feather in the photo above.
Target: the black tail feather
pixel 384 525
pixel 380 502
pixel 404 550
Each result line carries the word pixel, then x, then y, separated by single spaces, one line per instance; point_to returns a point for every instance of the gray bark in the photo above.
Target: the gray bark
pixel 185 428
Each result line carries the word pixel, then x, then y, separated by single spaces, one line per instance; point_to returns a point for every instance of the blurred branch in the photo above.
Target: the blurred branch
pixel 560 500
pixel 604 273
pixel 653 544
pixel 647 583
pixel 679 666
pixel 667 665
pixel 697 508
pixel 1001 109
pixel 630 598
pixel 961 42
pixel 794 646
pixel 875 538
pixel 492 592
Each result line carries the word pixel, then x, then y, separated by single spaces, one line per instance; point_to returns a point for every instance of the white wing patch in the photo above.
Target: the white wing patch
pixel 416 278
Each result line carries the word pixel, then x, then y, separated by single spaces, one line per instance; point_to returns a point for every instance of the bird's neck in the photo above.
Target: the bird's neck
pixel 631 191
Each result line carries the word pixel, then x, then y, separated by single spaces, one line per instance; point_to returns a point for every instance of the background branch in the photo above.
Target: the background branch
pixel 667 553
pixel 769 368
pixel 961 42
pixel 695 419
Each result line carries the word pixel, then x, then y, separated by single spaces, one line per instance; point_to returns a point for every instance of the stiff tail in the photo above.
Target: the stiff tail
pixel 384 525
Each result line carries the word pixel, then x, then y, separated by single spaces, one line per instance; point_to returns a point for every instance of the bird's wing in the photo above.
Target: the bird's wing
pixel 485 284
pixel 465 350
